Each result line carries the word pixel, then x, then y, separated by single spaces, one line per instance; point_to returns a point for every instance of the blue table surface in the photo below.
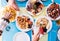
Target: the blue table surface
pixel 8 35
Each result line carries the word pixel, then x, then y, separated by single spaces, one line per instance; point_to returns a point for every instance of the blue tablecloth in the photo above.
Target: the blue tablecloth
pixel 8 35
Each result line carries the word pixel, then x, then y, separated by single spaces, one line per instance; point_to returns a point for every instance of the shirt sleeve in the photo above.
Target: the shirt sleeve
pixel 3 24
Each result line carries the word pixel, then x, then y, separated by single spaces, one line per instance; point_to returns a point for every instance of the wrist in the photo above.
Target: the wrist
pixel 5 19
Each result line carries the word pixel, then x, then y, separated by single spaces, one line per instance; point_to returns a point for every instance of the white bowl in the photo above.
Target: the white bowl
pixel 24 30
pixel 50 22
pixel 49 16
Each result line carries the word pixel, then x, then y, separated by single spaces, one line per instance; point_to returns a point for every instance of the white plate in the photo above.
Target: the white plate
pixel 21 36
pixel 50 22
pixel 24 30
pixel 58 34
pixel 49 16
pixel 31 12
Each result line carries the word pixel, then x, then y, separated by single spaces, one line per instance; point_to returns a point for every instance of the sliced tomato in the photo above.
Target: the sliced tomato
pixel 41 30
pixel 30 22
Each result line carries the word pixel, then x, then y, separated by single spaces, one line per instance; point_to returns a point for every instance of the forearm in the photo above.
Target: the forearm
pixel 3 24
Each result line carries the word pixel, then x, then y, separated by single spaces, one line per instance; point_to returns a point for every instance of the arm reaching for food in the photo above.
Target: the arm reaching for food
pixel 4 22
pixel 13 4
pixel 35 37
pixel 9 14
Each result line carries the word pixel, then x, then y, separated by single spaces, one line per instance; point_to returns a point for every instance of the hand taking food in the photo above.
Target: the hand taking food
pixel 7 15
pixel 13 4
pixel 36 37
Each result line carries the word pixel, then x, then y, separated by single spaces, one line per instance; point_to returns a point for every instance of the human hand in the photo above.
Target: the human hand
pixel 36 36
pixel 7 15
pixel 12 4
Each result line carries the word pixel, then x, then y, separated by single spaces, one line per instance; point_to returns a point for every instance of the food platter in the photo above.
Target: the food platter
pixel 25 22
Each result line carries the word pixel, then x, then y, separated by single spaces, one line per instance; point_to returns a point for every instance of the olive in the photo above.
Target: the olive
pixel 44 29
pixel 29 26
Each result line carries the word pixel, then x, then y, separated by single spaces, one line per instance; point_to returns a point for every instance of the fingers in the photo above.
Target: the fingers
pixel 15 7
pixel 36 37
pixel 10 15
pixel 7 15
